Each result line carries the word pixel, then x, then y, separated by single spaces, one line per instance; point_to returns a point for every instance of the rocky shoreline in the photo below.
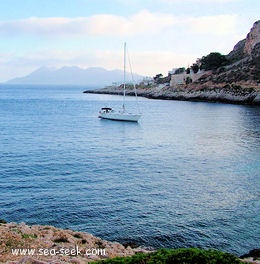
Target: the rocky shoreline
pixel 38 244
pixel 228 93
pixel 21 243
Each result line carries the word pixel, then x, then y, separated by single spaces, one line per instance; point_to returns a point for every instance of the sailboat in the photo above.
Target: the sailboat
pixel 122 114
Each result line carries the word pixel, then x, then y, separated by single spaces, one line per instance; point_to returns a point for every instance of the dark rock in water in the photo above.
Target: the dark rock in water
pixel 254 253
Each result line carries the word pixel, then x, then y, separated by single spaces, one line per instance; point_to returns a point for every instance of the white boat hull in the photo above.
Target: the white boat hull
pixel 120 116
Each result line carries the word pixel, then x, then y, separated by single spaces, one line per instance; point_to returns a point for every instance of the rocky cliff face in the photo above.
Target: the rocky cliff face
pixel 253 38
pixel 244 69
pixel 245 47
pixel 237 82
pixel 238 51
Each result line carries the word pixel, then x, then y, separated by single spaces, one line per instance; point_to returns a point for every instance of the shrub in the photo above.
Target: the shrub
pixel 26 236
pixel 61 239
pixel 77 235
pixel 177 256
pixel 213 61
pixel 195 67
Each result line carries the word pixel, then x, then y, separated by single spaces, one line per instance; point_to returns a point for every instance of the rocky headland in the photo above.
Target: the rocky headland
pixel 21 243
pixel 238 81
pixel 38 244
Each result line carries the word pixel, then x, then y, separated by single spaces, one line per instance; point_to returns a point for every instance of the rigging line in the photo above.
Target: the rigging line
pixel 132 76
pixel 124 75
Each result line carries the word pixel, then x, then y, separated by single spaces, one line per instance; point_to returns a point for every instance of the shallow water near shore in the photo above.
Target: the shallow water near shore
pixel 186 175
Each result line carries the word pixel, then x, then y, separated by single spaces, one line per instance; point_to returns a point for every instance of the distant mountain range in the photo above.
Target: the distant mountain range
pixel 73 75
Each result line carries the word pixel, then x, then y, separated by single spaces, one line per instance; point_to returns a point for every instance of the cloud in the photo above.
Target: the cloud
pixel 102 24
pixel 51 27
pixel 213 25
pixel 163 41
pixel 138 24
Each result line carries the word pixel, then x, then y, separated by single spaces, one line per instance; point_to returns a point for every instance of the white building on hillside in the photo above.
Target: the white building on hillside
pixel 178 79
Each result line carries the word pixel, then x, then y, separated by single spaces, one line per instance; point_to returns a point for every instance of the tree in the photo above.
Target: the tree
pixel 213 61
pixel 195 67
pixel 188 80
pixel 159 79
pixel 180 70
pixel 158 76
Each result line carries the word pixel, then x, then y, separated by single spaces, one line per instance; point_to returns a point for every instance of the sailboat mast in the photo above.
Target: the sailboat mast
pixel 124 70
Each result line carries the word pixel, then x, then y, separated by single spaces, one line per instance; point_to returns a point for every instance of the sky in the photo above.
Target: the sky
pixel 160 34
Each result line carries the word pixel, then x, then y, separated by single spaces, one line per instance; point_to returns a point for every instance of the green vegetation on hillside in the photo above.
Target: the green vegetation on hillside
pixel 213 61
pixel 177 256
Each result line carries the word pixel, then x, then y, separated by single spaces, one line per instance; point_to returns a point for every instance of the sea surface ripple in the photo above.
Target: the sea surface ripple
pixel 187 175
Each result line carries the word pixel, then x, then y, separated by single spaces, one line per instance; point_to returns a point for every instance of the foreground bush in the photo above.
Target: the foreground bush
pixel 177 256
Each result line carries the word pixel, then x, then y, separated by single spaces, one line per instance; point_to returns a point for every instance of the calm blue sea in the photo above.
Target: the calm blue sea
pixel 187 175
